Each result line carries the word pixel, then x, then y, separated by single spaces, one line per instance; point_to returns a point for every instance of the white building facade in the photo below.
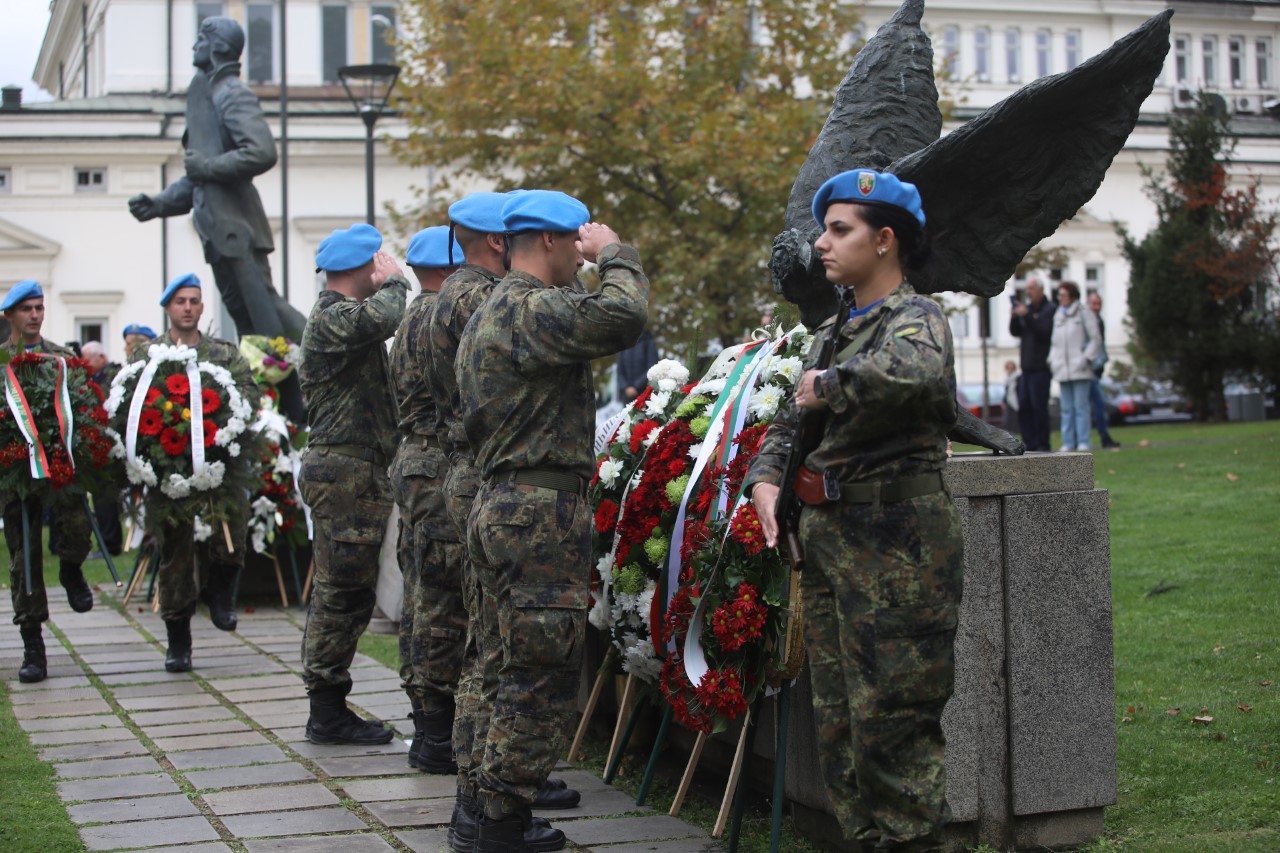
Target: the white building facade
pixel 119 68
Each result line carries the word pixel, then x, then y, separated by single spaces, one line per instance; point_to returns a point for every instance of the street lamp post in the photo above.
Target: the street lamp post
pixel 369 87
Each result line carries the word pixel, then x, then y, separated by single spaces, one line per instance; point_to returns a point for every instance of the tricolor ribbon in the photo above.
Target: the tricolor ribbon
pixel 16 399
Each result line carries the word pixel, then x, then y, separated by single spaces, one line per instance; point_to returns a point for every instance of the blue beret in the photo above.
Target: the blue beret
pixel 188 280
pixel 138 329
pixel 434 247
pixel 346 250
pixel 480 212
pixel 20 292
pixel 543 210
pixel 863 186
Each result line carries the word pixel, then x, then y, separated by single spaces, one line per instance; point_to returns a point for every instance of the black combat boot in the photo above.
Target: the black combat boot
pixel 499 832
pixel 79 596
pixel 540 837
pixel 556 794
pixel 416 746
pixel 217 595
pixel 34 668
pixel 178 658
pixel 435 755
pixel 332 722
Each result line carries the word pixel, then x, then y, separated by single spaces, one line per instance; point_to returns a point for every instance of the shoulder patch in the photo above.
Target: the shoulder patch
pixel 906 332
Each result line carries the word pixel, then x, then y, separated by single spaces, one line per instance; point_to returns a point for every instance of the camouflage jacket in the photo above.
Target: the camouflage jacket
pixel 462 293
pixel 891 399
pixel 344 374
pixel 417 406
pixel 524 372
pixel 45 346
pixel 215 351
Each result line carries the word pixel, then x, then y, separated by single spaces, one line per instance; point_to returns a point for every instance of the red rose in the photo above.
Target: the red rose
pixel 210 399
pixel 150 422
pixel 210 430
pixel 172 441
pixel 177 384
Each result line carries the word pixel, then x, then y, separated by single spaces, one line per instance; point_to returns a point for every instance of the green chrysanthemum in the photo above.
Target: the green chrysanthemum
pixel 689 406
pixel 655 547
pixel 699 426
pixel 675 489
pixel 630 580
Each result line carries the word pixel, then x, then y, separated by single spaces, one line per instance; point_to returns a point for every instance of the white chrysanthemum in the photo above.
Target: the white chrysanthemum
pixel 710 388
pixel 628 602
pixel 695 450
pixel 604 568
pixel 258 538
pixel 764 403
pixel 598 616
pixel 235 426
pixel 635 478
pixel 176 486
pixel 200 530
pixel 283 464
pixel 668 375
pixel 609 471
pixel 624 433
pixel 657 403
pixel 140 472
pixel 233 449
pixel 644 602
pixel 263 507
pixel 642 661
pixel 651 438
pixel 785 369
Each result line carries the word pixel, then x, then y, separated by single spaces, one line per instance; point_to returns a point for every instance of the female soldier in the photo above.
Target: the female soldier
pixel 879 530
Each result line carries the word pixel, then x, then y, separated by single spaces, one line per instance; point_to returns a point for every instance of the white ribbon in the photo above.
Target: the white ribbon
pixel 135 409
pixel 269 420
pixel 197 417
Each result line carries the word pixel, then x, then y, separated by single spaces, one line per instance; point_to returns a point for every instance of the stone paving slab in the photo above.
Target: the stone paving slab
pixel 307 749
pixel 214 847
pixel 184 729
pixel 282 721
pixel 258 774
pixel 152 676
pixel 60 724
pixel 414 812
pixel 292 823
pixel 207 673
pixel 182 715
pixel 234 756
pixel 166 703
pixel 159 688
pixel 115 787
pixel 376 685
pixel 609 830
pixel 600 803
pixel 248 800
pixel 83 708
pixel 422 786
pixel 373 765
pixel 365 843
pixel 177 830
pixel 223 685
pixel 134 808
pixel 86 751
pixel 687 845
pixel 244 737
pixel 17 688
pixel 106 767
pixel 57 694
pixel 425 840
pixel 43 739
pixel 265 694
pixel 296 705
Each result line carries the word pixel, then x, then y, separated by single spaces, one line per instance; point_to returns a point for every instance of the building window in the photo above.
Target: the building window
pixel 1095 278
pixel 1209 51
pixel 91 329
pixel 1263 48
pixel 982 54
pixel 1013 54
pixel 91 180
pixel 6 181
pixel 1181 58
pixel 261 48
pixel 333 25
pixel 1043 42
pixel 951 51
pixel 208 10
pixel 1235 60
pixel 1074 49
pixel 382 28
pixel 960 325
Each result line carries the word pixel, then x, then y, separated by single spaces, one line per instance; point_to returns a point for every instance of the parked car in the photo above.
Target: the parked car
pixel 969 395
pixel 1158 403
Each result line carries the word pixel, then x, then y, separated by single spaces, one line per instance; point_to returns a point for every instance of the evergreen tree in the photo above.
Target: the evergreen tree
pixel 1200 281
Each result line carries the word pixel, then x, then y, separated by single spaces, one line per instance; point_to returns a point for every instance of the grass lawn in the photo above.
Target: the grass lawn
pixel 1195 549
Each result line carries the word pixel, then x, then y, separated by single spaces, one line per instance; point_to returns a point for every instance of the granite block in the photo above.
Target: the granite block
pixel 972 475
pixel 1061 684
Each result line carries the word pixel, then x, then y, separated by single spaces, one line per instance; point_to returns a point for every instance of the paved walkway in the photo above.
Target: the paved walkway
pixel 216 760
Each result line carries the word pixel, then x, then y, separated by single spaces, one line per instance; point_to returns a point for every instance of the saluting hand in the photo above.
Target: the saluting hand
pixel 593 237
pixel 384 267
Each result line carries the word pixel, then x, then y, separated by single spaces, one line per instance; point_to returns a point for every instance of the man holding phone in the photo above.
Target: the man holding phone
pixel 1032 323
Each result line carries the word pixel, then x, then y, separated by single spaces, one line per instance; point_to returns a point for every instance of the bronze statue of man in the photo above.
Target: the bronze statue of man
pixel 227 144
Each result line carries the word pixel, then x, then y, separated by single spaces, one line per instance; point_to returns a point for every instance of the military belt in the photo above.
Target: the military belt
pixel 357 451
pixel 901 490
pixel 545 478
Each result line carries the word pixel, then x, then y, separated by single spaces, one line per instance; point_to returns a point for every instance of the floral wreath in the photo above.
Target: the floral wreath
pixel 179 442
pixel 276 505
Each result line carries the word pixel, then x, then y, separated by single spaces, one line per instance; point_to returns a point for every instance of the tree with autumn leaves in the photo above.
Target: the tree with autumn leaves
pixel 1202 284
pixel 681 125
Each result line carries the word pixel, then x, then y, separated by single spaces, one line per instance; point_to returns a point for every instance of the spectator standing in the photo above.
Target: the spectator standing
pixel 1076 343
pixel 106 508
pixel 1097 401
pixel 633 367
pixel 1012 380
pixel 1032 323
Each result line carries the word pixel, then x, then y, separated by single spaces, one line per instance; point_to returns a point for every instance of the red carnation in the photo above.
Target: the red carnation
pixel 210 430
pixel 210 399
pixel 640 432
pixel 177 384
pixel 150 422
pixel 606 516
pixel 172 441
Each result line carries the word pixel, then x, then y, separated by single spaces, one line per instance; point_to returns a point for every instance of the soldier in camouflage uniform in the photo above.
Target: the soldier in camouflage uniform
pixel 191 570
pixel 880 533
pixel 433 621
pixel 477 222
pixel 347 387
pixel 527 401
pixel 23 308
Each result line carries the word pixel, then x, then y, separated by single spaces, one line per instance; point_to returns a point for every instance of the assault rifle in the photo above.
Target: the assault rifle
pixel 808 435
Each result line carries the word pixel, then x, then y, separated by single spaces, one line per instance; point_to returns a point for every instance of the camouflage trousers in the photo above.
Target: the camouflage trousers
pixel 472 714
pixel 881 598
pixel 433 620
pixel 186 566
pixel 350 502
pixel 73 546
pixel 531 548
